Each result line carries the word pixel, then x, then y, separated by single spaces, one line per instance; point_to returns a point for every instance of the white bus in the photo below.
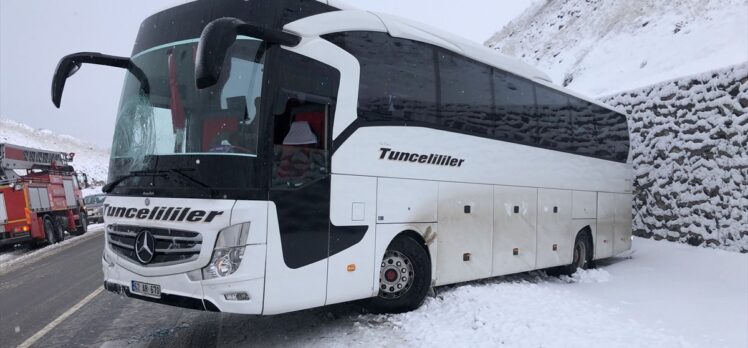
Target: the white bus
pixel 272 156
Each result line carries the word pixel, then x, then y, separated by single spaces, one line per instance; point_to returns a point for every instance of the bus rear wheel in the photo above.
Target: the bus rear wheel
pixel 404 277
pixel 582 256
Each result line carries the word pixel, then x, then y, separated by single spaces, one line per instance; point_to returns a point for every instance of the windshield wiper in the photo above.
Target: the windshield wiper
pixel 180 171
pixel 135 174
pixel 164 173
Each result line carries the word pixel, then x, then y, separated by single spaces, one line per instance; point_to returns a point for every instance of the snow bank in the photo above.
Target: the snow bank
pixel 88 158
pixel 690 152
pixel 659 295
pixel 598 47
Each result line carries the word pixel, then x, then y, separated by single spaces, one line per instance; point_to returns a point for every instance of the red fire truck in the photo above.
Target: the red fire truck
pixel 40 197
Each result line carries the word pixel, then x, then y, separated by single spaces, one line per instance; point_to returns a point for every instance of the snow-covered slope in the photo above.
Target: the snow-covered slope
pixel 88 158
pixel 598 47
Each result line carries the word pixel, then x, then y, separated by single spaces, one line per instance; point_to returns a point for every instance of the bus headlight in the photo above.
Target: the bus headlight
pixel 228 252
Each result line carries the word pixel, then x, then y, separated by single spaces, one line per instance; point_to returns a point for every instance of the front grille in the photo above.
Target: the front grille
pixel 172 246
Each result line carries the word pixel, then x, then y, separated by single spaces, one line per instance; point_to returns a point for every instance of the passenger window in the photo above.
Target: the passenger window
pixel 583 126
pixel 514 116
pixel 303 113
pixel 397 76
pixel 465 90
pixel 554 124
pixel 613 136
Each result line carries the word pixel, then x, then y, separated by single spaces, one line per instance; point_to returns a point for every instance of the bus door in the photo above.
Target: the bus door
pixel 302 111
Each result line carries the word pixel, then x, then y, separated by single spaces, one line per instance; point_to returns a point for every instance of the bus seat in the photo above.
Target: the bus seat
pixel 300 134
pixel 296 150
pixel 316 120
pixel 217 129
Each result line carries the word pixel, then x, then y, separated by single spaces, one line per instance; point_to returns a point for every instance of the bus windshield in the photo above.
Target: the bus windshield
pixel 174 124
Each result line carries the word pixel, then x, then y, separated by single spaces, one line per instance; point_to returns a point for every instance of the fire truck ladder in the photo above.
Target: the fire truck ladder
pixel 14 157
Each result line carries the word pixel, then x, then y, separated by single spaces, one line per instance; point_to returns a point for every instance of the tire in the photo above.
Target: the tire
pixel 83 228
pixel 408 266
pixel 582 256
pixel 50 230
pixel 60 231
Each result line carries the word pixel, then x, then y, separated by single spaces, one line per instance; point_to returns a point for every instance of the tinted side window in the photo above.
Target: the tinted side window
pixel 304 108
pixel 466 101
pixel 612 136
pixel 398 76
pixel 554 124
pixel 514 113
pixel 584 128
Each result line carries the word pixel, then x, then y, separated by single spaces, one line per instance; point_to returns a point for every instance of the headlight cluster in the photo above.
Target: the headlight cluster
pixel 228 252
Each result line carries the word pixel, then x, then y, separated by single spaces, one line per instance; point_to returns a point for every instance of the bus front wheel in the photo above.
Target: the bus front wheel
pixel 404 277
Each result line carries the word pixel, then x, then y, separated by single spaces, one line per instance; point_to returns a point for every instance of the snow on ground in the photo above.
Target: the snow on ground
pixel 88 158
pixel 607 46
pixel 660 294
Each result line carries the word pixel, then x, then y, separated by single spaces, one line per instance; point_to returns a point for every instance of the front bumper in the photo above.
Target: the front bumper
pixel 181 291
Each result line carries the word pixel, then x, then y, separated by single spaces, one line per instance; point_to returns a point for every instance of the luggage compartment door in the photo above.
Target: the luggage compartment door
pixel 514 229
pixel 554 247
pixel 465 232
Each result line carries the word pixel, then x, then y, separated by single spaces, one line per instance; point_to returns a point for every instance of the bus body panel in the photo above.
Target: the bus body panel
pixel 514 229
pixel 606 214
pixel 288 289
pixel 333 22
pixel 406 201
pixel 554 228
pixel 623 226
pixel 584 205
pixel 350 274
pixel 486 161
pixel 465 232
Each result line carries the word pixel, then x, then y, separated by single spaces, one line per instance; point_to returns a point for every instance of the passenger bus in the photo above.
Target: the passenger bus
pixel 273 156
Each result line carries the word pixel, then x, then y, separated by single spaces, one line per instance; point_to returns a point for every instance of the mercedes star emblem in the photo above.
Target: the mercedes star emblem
pixel 145 247
pixel 147 202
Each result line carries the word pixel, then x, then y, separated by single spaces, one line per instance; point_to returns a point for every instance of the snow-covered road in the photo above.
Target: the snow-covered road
pixel 659 295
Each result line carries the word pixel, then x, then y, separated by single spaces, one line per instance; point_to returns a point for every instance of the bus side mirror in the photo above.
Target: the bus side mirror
pixel 216 39
pixel 65 68
pixel 70 64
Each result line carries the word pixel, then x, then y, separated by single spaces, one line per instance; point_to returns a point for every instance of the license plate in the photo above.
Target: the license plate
pixel 145 289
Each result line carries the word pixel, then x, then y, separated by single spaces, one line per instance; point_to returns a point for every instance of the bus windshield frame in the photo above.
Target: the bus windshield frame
pixel 194 143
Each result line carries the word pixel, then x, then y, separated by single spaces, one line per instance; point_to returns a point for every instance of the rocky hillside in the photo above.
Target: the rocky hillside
pixel 690 143
pixel 598 47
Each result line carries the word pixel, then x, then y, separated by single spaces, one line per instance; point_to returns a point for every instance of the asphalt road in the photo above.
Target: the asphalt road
pixel 40 303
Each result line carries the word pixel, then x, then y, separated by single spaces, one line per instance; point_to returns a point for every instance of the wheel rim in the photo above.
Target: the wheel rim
pixel 396 275
pixel 580 255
